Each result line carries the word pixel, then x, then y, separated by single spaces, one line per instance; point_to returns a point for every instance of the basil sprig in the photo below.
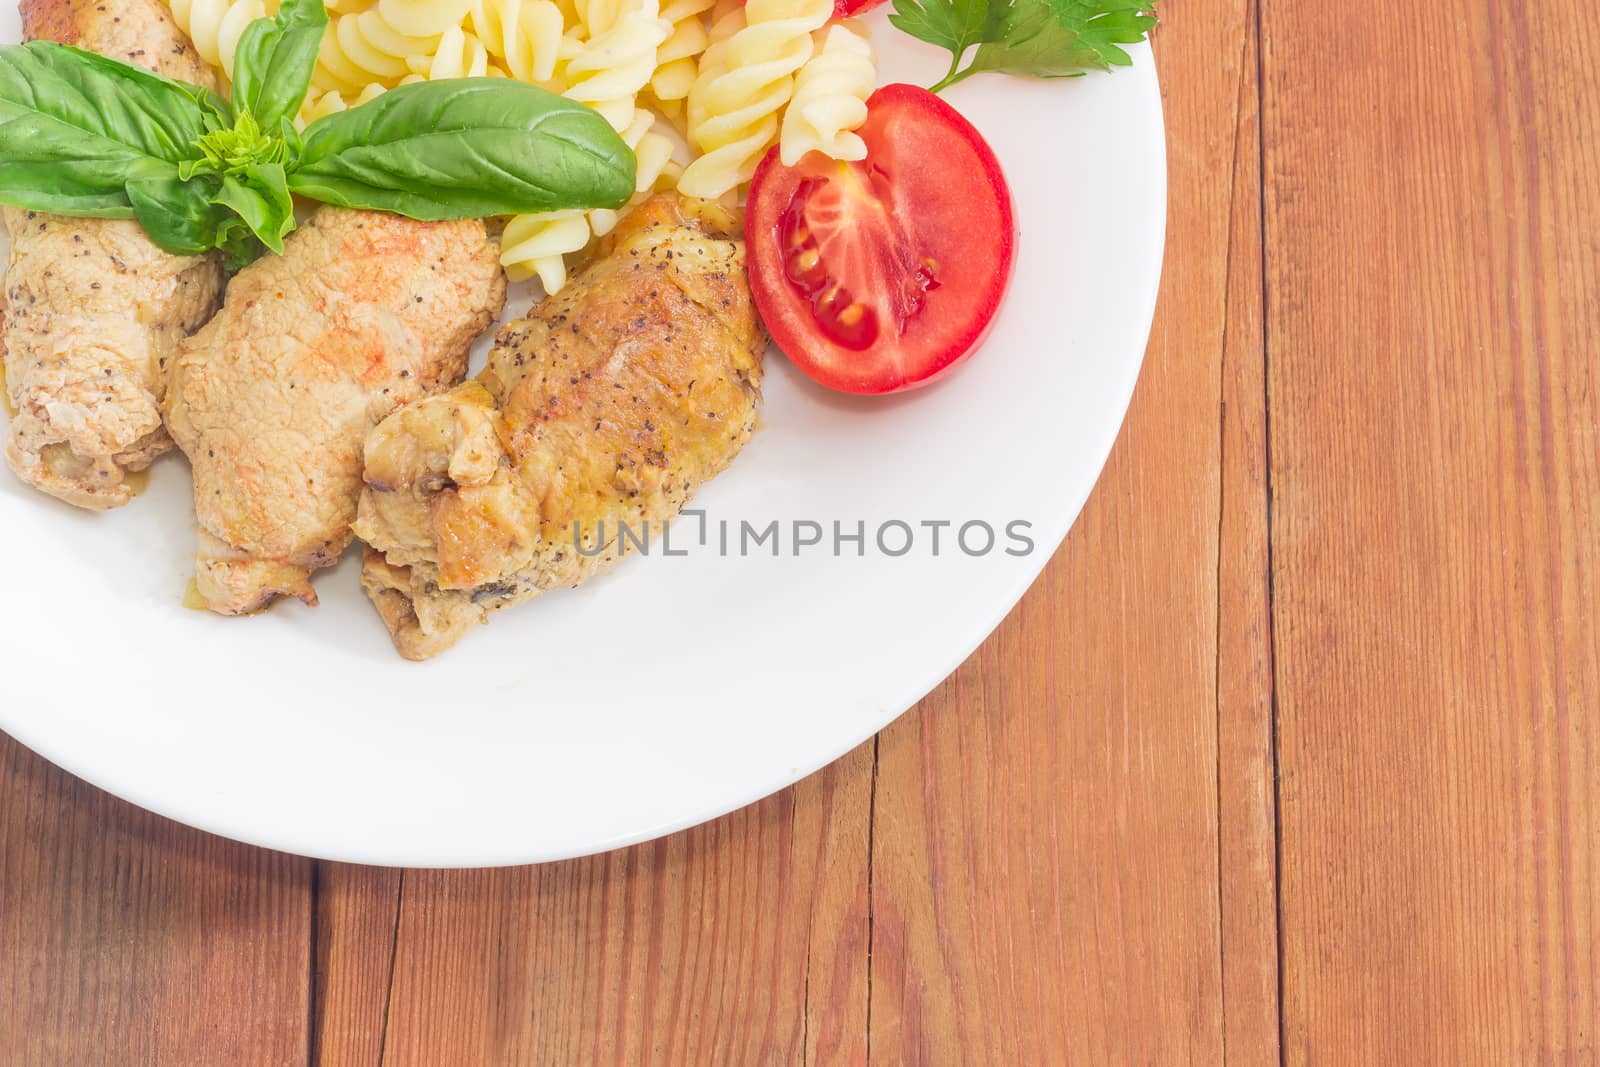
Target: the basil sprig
pixel 84 135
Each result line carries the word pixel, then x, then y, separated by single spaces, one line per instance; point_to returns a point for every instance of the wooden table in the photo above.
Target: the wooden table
pixel 1292 752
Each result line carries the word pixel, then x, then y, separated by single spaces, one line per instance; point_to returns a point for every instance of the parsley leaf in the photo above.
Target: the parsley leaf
pixel 1033 38
pixel 954 25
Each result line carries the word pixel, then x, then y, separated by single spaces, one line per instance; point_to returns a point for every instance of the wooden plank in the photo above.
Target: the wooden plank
pixel 1434 370
pixel 357 913
pixel 1045 865
pixel 1246 803
pixel 129 939
pixel 743 941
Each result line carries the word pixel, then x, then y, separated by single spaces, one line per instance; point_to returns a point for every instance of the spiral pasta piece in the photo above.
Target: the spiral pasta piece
pixel 830 98
pixel 215 27
pixel 595 16
pixel 524 35
pixel 537 245
pixel 743 84
pixel 423 18
pixel 320 105
pixel 652 151
pixel 379 45
pixel 458 54
pixel 675 60
pixel 359 49
pixel 655 166
pixel 617 59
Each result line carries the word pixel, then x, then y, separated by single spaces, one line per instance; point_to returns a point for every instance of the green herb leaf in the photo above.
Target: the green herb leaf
pixel 1034 38
pixel 178 215
pixel 955 25
pixel 464 149
pixel 192 217
pixel 76 127
pixel 1102 25
pixel 272 66
pixel 136 108
pixel 260 197
pixel 81 134
pixel 232 149
pixel 238 245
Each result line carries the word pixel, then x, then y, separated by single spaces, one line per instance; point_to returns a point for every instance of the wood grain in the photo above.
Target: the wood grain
pixel 357 914
pixel 1433 200
pixel 1045 879
pixel 1246 800
pixel 1067 854
pixel 127 940
pixel 742 942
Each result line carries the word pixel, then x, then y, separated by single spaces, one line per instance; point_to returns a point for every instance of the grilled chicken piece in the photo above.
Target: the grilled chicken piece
pixel 271 401
pixel 613 402
pixel 94 310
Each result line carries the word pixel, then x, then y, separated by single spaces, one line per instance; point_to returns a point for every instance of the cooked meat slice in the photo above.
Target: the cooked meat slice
pixel 94 310
pixel 138 32
pixel 271 401
pixel 613 402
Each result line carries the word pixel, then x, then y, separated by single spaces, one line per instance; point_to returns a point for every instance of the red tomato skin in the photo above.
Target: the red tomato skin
pixel 843 9
pixel 773 183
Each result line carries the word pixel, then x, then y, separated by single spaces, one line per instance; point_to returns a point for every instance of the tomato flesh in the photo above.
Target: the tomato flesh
pixel 843 9
pixel 883 274
pixel 859 269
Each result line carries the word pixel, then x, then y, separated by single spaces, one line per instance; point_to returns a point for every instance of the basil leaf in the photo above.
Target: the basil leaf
pixel 81 192
pixel 465 148
pixel 191 218
pixel 75 127
pixel 272 66
pixel 260 197
pixel 177 215
pixel 54 86
pixel 239 247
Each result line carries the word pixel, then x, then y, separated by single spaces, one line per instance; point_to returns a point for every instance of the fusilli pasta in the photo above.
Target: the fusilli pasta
pixel 617 59
pixel 743 84
pixel 318 105
pixel 423 18
pixel 378 44
pixel 734 77
pixel 215 27
pixel 675 60
pixel 458 54
pixel 524 35
pixel 830 98
pixel 537 245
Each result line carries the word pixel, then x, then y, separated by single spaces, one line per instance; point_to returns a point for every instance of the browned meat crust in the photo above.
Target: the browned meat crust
pixel 615 400
pixel 272 400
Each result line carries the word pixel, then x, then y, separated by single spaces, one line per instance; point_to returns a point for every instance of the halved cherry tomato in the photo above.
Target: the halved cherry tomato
pixel 843 9
pixel 882 275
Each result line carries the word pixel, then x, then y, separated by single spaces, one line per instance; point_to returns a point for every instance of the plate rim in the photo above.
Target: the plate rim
pixel 517 853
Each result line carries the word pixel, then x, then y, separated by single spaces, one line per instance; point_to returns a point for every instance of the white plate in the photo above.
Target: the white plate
pixel 674 689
